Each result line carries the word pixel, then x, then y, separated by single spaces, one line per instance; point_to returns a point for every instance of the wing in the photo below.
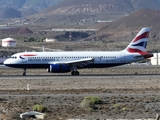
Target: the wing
pixel 75 63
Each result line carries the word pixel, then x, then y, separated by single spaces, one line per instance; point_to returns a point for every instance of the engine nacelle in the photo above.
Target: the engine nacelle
pixel 59 68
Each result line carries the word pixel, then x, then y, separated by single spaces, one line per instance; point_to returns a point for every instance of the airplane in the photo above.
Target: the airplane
pixel 63 62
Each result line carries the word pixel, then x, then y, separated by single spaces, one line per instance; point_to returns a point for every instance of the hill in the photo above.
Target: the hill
pixel 76 11
pixel 39 5
pixel 67 9
pixel 135 21
pixel 10 13
pixel 120 32
pixel 24 7
pixel 94 6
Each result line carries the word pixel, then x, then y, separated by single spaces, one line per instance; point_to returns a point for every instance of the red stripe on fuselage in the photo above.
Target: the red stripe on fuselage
pixel 28 55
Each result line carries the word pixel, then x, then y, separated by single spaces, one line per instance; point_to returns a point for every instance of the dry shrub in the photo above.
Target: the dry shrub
pixel 39 108
pixel 88 103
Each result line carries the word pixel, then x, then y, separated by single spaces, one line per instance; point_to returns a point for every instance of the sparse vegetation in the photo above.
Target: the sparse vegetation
pixel 124 108
pixel 116 105
pixel 39 108
pixel 89 102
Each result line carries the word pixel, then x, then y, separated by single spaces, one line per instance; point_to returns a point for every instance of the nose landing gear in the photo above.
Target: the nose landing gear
pixel 24 72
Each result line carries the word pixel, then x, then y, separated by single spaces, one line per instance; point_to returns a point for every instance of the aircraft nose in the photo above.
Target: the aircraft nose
pixel 6 62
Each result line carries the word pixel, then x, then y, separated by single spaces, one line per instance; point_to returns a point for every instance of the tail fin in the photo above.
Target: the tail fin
pixel 139 43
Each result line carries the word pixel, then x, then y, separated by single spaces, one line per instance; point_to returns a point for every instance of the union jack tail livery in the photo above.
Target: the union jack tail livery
pixel 139 43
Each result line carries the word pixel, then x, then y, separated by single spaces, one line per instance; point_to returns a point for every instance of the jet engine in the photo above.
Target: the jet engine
pixel 59 68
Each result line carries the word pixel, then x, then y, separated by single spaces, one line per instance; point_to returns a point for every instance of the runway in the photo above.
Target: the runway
pixel 93 76
pixel 119 71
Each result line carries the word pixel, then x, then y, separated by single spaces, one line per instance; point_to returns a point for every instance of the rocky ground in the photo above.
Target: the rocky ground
pixel 123 97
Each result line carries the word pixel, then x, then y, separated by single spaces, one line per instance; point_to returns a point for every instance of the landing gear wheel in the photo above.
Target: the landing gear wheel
pixel 24 72
pixel 75 73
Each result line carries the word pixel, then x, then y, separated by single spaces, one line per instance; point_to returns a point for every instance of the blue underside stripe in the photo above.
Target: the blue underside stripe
pixel 47 65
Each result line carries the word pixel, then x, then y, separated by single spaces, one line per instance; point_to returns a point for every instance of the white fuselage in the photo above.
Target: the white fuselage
pixel 43 59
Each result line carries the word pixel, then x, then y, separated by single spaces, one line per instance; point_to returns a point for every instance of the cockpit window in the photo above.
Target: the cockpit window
pixel 13 57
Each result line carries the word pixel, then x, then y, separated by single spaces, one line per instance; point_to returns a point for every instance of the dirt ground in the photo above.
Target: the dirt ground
pixel 131 96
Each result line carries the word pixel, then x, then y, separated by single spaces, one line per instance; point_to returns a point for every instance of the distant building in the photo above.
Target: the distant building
pixel 104 21
pixel 8 42
pixel 73 30
pixel 50 40
pixel 155 60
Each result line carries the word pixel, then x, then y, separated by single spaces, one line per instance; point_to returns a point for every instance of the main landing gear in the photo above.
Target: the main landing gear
pixel 75 73
pixel 24 72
